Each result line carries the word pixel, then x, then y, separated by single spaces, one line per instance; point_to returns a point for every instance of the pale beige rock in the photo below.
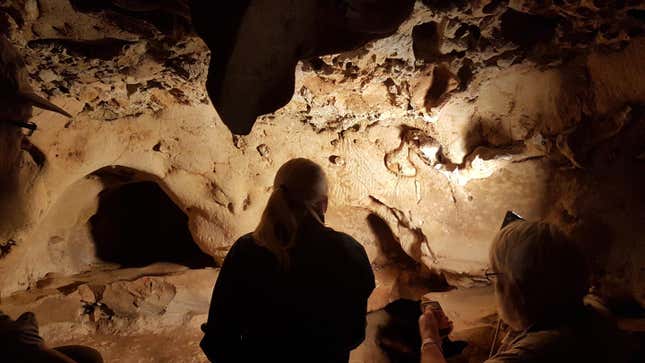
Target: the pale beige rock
pixel 440 179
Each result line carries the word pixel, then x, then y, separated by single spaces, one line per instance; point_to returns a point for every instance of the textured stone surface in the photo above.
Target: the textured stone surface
pixel 117 301
pixel 257 44
pixel 468 110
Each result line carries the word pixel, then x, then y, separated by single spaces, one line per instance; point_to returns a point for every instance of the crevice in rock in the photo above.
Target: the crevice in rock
pixel 317 65
pixel 445 5
pixel 525 29
pixel 413 141
pixel 104 49
pixel 115 174
pixel 136 224
pixel 220 197
pixel 492 6
pixel 465 74
pixel 5 247
pixel 36 154
pixel 169 17
pixel 426 41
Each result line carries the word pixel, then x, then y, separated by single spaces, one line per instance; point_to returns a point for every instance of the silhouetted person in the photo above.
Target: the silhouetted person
pixel 20 342
pixel 293 290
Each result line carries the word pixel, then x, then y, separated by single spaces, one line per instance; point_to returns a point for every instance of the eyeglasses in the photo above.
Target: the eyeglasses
pixel 491 275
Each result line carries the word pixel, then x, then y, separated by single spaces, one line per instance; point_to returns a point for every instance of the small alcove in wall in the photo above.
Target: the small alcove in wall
pixel 137 224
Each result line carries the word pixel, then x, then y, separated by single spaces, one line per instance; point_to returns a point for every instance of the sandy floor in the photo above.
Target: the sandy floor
pixel 57 304
pixel 182 346
pixel 178 346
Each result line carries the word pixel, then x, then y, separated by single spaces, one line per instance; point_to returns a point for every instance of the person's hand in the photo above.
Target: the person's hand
pixel 445 324
pixel 431 351
pixel 429 326
pixel 432 321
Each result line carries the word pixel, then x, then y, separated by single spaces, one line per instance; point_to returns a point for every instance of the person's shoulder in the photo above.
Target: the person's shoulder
pixel 247 255
pixel 563 344
pixel 345 240
pixel 244 241
pixel 544 340
pixel 242 246
pixel 531 347
pixel 350 247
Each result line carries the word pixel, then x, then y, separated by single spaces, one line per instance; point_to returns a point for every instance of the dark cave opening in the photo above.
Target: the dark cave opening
pixel 137 224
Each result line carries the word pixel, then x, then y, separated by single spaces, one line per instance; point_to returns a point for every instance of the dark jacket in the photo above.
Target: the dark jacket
pixel 313 312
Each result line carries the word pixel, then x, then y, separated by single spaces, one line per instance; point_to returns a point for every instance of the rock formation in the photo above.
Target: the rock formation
pixel 428 135
pixel 257 44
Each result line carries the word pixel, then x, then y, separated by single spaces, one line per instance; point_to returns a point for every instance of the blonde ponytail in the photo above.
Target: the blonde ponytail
pixel 278 227
pixel 299 184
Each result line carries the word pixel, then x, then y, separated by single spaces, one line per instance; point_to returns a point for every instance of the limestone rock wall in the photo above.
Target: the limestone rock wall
pixel 428 136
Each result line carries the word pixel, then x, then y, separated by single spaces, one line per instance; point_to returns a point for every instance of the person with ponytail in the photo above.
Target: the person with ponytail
pixel 293 290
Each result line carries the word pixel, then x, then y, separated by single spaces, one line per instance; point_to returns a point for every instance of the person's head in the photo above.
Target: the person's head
pixel 299 193
pixel 541 274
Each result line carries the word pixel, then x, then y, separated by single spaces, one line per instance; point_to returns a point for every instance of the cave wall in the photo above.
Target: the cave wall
pixel 468 110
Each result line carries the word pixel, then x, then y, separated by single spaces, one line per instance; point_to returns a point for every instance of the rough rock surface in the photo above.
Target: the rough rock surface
pixel 150 314
pixel 256 45
pixel 428 136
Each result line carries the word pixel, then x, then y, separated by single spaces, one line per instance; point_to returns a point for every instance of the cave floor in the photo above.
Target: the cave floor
pixel 178 346
pixel 121 312
pixel 181 345
pixel 154 313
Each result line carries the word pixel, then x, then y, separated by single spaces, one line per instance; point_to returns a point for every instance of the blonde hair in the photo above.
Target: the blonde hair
pixel 547 270
pixel 299 185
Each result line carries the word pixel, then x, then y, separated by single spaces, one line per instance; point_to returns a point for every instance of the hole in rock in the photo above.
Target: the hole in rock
pixel 426 41
pixel 465 74
pixel 527 29
pixel 491 6
pixel 137 17
pixel 137 224
pixel 444 5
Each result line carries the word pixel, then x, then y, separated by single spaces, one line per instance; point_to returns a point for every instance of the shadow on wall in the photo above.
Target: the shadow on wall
pixel 601 204
pixel 137 224
pixel 390 250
